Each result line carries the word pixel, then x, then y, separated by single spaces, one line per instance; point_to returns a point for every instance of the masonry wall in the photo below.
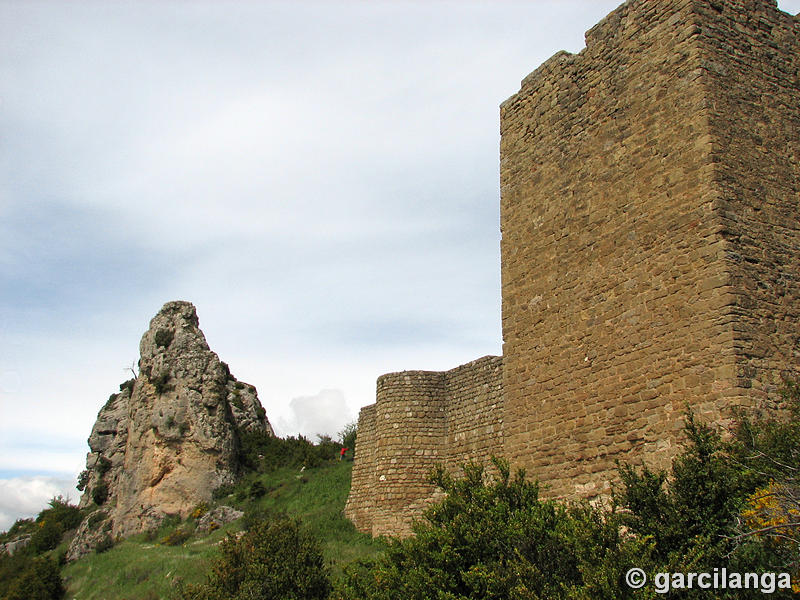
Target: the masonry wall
pixel 474 412
pixel 625 277
pixel 421 419
pixel 752 56
pixel 650 217
pixel 361 504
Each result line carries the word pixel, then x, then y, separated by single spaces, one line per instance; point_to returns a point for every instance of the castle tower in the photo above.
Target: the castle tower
pixel 650 216
pixel 650 220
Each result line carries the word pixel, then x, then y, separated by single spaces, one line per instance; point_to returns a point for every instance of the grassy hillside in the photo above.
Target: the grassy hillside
pixel 145 568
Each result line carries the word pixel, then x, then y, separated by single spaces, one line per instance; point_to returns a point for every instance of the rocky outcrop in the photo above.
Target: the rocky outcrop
pixel 218 517
pixel 170 436
pixel 15 544
pixel 93 531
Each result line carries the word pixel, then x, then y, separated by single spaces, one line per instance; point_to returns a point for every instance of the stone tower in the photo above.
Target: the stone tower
pixel 651 244
pixel 650 216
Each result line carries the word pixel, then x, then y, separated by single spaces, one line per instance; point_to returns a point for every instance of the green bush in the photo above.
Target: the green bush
pixel 223 491
pixel 274 559
pixel 103 466
pixel 259 451
pixel 347 436
pixel 694 513
pixel 40 580
pixel 100 493
pixel 257 489
pixel 696 504
pixel 51 523
pixel 500 540
pixel 47 536
pixel 83 479
pixel 176 537
pixel 68 515
pixel 237 399
pixel 20 526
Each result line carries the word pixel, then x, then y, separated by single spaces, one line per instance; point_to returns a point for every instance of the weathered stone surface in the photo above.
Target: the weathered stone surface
pixel 170 437
pixel 421 419
pixel 15 545
pixel 92 530
pixel 650 218
pixel 217 518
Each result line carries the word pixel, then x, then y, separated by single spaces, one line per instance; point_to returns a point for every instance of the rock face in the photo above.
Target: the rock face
pixel 217 518
pixel 15 544
pixel 170 436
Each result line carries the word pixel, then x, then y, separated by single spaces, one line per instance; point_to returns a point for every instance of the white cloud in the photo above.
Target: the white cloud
pixel 325 413
pixel 25 497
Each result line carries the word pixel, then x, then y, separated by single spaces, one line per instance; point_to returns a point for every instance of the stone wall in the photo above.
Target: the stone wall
pixel 629 209
pixel 421 419
pixel 752 54
pixel 650 217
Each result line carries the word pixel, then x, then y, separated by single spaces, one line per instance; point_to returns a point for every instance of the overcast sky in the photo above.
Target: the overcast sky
pixel 319 178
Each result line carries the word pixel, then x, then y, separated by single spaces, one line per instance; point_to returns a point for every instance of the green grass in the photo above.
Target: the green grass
pixel 317 496
pixel 141 569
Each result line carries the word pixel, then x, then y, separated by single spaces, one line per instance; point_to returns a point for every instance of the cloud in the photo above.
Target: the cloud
pixel 325 413
pixel 25 497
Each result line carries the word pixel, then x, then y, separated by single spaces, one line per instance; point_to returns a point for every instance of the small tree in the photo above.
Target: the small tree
pixel 347 436
pixel 274 559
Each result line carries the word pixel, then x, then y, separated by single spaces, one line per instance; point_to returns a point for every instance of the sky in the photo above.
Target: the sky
pixel 321 179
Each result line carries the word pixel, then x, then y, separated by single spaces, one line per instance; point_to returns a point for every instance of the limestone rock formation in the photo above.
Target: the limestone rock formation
pixel 217 518
pixel 15 544
pixel 170 436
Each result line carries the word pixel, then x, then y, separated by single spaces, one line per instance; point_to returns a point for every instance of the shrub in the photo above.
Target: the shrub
pixel 257 489
pixel 19 526
pixel 236 399
pixel 68 515
pixel 199 510
pixel 695 506
pixel 347 436
pixel 47 536
pixel 261 451
pixel 500 540
pixel 223 491
pixel 100 493
pixel 83 479
pixel 274 559
pixel 176 537
pixel 103 466
pixel 40 580
pixel 127 385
